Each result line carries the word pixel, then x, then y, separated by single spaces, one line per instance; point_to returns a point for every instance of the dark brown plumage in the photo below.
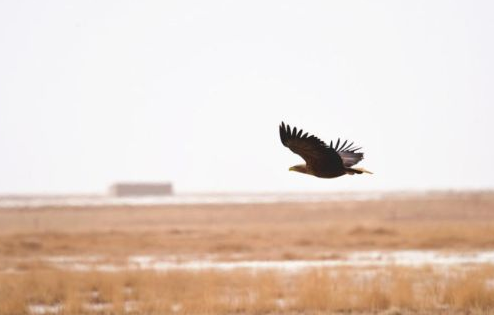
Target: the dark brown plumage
pixel 321 160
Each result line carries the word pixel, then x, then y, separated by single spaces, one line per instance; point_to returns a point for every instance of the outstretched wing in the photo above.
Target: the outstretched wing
pixel 348 153
pixel 317 155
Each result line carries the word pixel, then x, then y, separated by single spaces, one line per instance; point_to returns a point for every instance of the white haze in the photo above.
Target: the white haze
pixel 93 92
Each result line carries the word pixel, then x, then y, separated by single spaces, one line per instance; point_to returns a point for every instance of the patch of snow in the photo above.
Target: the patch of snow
pixel 130 306
pixel 356 259
pixel 281 303
pixel 411 258
pixel 176 307
pixel 41 309
pixel 97 307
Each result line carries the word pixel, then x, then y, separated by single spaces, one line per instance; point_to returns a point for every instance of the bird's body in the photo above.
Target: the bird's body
pixel 321 160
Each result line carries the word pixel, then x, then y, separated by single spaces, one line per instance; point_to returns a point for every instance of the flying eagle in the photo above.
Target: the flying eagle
pixel 321 160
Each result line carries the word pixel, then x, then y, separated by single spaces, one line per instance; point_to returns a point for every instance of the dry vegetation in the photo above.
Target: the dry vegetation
pixel 459 221
pixel 456 222
pixel 239 292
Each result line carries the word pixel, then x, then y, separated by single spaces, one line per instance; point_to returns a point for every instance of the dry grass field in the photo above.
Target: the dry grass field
pixel 341 291
pixel 453 222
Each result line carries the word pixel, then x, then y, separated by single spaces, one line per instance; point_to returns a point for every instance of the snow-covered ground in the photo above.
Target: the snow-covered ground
pixel 363 261
pixel 413 258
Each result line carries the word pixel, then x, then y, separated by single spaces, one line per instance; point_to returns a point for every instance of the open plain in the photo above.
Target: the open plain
pixel 240 258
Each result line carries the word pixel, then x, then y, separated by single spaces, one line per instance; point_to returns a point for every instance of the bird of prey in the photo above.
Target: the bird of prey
pixel 321 160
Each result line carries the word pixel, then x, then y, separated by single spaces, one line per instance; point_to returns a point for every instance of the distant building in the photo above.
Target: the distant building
pixel 141 189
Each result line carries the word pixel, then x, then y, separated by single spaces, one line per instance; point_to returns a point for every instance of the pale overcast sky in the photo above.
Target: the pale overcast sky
pixel 93 92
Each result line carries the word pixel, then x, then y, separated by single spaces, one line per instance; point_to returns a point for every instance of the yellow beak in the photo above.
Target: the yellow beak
pixel 292 168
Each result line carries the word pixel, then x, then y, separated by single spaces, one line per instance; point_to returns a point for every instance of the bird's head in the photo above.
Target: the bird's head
pixel 301 168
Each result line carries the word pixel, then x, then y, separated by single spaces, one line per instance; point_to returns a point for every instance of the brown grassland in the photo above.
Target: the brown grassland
pixel 449 221
pixel 392 290
pixel 285 231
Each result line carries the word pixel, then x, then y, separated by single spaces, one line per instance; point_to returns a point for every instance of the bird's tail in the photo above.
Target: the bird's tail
pixel 356 170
